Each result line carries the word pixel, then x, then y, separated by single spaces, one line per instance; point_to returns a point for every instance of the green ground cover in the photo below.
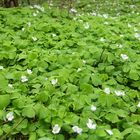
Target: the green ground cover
pixel 70 76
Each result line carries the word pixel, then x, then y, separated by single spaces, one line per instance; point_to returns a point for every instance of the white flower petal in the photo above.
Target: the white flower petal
pixel 102 39
pixel 138 105
pixel 86 26
pixel 34 38
pixel 23 29
pixel 10 85
pixel 84 61
pixel 109 132
pixel 34 14
pixel 72 10
pixel 79 69
pixel 1 67
pixel 29 24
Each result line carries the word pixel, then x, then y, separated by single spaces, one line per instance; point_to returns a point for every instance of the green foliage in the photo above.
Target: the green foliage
pixel 60 69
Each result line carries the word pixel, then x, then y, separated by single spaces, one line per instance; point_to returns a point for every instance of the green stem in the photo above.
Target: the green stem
pixel 4 137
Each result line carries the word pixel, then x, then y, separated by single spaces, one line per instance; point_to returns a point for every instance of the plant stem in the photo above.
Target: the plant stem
pixel 4 137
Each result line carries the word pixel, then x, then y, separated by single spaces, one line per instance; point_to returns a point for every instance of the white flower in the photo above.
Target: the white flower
pixel 72 10
pixel 77 129
pixel 10 85
pixel 10 116
pixel 46 78
pixel 138 105
pixel 23 29
pixel 29 71
pixel 107 90
pixel 34 38
pixel 1 67
pixel 129 25
pixel 37 6
pixel 24 79
pixel 84 61
pixel 86 26
pixel 93 108
pixel 42 9
pixel 34 14
pixel 137 36
pixel 132 6
pixel 31 7
pixel 109 132
pixel 124 56
pixel 102 39
pixel 119 45
pixel 119 93
pixel 121 35
pixel 79 69
pixel 93 14
pixel 29 24
pixel 56 129
pixel 51 4
pixel 37 11
pixel 135 29
pixel 53 35
pixel 54 81
pixel 105 15
pixel 80 20
pixel 90 124
pixel 106 23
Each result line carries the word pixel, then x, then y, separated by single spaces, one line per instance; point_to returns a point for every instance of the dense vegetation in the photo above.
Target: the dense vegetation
pixel 70 74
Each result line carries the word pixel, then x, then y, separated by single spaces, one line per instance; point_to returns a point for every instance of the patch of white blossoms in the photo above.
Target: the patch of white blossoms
pixel 90 124
pixel 54 81
pixel 72 10
pixel 105 15
pixel 119 93
pixel 10 116
pixel 24 79
pixel 124 56
pixel 39 7
pixel 56 129
pixel 77 129
pixel 107 90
